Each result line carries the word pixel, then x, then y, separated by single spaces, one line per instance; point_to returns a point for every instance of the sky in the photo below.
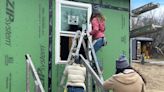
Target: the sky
pixel 137 3
pixel 157 11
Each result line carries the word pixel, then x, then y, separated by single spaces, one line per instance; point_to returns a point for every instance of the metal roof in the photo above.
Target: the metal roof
pixel 143 39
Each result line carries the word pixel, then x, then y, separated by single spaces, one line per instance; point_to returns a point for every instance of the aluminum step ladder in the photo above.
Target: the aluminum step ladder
pixel 78 41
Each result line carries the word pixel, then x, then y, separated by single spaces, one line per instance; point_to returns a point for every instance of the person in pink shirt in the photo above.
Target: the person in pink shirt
pixel 98 28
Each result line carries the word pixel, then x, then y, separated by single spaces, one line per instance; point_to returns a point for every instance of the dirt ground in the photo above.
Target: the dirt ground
pixel 154 75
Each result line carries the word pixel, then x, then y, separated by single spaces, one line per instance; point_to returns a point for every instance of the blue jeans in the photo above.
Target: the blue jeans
pixel 75 89
pixel 98 44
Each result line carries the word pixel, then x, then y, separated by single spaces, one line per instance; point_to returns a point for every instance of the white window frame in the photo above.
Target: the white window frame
pixel 58 31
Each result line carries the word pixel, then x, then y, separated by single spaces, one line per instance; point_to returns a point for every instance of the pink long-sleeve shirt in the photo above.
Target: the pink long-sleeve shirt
pixel 98 28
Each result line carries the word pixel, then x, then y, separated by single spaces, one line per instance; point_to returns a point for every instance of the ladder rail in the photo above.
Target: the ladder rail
pixel 73 45
pixel 95 58
pixel 31 68
pixel 86 50
pixel 93 73
pixel 87 65
pixel 80 42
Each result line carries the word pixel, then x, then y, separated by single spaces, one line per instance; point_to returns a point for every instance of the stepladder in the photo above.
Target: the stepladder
pixel 82 39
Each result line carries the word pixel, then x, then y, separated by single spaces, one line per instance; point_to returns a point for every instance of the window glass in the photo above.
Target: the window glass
pixel 70 16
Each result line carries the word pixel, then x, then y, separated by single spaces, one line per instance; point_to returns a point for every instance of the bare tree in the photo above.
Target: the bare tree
pixel 149 18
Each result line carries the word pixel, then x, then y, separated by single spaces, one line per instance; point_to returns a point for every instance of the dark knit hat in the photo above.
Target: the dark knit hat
pixel 122 62
pixel 95 9
pixel 77 60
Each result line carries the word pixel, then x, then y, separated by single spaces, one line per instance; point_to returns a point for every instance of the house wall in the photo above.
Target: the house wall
pixel 117 33
pixel 23 29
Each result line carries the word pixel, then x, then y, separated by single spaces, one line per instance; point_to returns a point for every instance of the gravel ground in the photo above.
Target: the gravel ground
pixel 154 75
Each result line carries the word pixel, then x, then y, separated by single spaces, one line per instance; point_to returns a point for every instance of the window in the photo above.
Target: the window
pixel 70 16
